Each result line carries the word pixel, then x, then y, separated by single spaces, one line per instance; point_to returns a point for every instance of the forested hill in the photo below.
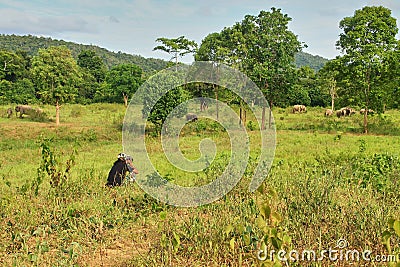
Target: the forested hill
pixel 314 62
pixel 31 45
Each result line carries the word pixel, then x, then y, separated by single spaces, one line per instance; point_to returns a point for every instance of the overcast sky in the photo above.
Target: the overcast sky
pixel 132 26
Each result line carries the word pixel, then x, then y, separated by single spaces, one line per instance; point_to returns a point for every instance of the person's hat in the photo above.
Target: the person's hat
pixel 121 155
pixel 128 157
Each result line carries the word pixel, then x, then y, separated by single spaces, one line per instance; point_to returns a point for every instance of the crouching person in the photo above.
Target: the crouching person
pixel 121 167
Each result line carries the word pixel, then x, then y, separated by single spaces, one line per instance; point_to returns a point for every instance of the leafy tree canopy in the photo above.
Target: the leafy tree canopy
pixel 55 74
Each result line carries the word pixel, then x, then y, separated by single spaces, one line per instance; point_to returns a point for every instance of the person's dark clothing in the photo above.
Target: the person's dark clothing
pixel 117 173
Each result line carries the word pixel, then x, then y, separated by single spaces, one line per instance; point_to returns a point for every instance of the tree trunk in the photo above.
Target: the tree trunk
pixel 244 117
pixel 204 106
pixel 366 91
pixel 216 98
pixel 366 120
pixel 57 113
pixel 242 113
pixel 270 115
pixel 333 93
pixel 263 119
pixel 125 99
pixel 176 61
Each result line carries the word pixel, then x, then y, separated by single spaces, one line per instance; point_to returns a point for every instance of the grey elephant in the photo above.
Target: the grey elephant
pixel 369 112
pixel 328 112
pixel 9 112
pixel 39 111
pixel 23 109
pixel 191 117
pixel 342 112
pixel 299 108
pixel 346 111
pixel 339 113
pixel 350 111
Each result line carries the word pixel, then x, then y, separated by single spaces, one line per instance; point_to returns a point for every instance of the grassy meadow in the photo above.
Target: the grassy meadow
pixel 328 182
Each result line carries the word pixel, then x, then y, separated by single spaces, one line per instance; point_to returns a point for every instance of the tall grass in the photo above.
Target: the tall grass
pixel 328 182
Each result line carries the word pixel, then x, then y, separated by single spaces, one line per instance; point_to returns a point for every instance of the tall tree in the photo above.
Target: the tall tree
pixel 177 47
pixel 392 78
pixel 305 90
pixel 368 38
pixel 212 49
pixel 262 47
pixel 55 74
pixel 87 59
pixel 11 66
pixel 122 81
pixel 15 84
pixel 328 78
pixel 272 50
pixel 93 74
pixel 157 104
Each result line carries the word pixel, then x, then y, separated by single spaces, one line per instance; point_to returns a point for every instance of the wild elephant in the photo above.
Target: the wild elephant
pixel 191 117
pixel 39 111
pixel 339 113
pixel 369 112
pixel 328 112
pixel 9 112
pixel 346 111
pixel 296 108
pixel 350 111
pixel 23 109
pixel 299 108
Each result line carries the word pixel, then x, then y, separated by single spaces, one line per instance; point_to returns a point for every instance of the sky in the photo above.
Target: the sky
pixel 132 26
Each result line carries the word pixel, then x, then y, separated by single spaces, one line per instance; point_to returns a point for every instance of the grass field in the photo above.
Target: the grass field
pixel 328 183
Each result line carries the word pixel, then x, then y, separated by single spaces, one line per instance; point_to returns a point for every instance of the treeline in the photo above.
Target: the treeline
pixel 106 76
pixel 95 82
pixel 53 74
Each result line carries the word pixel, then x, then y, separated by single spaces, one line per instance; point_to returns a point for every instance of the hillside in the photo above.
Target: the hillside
pixel 31 45
pixel 306 59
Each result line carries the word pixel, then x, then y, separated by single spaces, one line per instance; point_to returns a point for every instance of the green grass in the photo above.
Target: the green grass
pixel 328 181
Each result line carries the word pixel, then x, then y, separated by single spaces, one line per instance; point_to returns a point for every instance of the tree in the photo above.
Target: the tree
pixel 88 60
pixel 392 78
pixel 260 46
pixel 367 39
pixel 157 104
pixel 271 55
pixel 328 79
pixel 177 47
pixel 93 74
pixel 55 74
pixel 11 66
pixel 15 85
pixel 122 81
pixel 212 49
